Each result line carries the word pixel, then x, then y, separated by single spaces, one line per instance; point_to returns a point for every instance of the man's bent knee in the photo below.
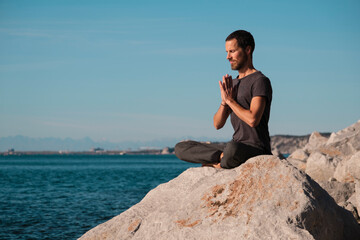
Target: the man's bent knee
pixel 182 148
pixel 226 162
pixel 179 149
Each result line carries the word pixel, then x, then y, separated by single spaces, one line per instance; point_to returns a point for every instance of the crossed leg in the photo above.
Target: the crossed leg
pixel 226 156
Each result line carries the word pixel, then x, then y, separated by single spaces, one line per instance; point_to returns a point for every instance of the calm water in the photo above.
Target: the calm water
pixel 61 197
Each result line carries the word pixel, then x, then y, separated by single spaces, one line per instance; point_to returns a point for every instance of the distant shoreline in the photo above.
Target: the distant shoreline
pixel 166 151
pixel 284 144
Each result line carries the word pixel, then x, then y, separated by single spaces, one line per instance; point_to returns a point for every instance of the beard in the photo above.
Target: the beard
pixel 239 65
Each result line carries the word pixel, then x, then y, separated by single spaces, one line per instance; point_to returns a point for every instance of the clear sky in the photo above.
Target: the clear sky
pixel 143 70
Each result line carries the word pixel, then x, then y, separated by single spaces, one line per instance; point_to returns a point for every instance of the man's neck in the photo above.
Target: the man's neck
pixel 247 70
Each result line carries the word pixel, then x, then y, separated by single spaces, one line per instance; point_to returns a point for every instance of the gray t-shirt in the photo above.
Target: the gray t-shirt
pixel 252 85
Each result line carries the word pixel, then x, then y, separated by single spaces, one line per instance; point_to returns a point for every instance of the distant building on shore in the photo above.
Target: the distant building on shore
pixel 97 150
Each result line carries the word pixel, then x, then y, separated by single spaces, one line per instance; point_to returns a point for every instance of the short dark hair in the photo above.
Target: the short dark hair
pixel 243 39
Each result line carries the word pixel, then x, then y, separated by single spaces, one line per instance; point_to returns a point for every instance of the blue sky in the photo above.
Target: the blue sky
pixel 143 70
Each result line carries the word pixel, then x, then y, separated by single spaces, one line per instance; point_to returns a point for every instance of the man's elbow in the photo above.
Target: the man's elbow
pixel 218 126
pixel 254 122
pixel 252 125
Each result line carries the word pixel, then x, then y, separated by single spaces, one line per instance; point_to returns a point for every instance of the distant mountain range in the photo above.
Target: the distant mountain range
pixel 22 143
pixel 283 143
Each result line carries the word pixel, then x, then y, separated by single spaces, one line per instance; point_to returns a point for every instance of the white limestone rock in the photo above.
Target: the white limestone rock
pixel 320 167
pixel 346 141
pixel 352 199
pixel 354 204
pixel 348 170
pixel 299 154
pixel 316 141
pixel 357 195
pixel 340 192
pixel 299 164
pixel 265 198
pixel 287 144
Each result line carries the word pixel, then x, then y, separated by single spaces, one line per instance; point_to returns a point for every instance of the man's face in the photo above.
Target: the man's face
pixel 235 54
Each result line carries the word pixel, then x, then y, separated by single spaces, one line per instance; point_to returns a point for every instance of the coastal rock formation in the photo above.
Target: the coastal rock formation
pixel 265 198
pixel 320 167
pixel 346 141
pixel 340 192
pixel 356 199
pixel 348 169
pixel 287 144
pixel 335 157
pixel 299 154
pixel 334 163
pixel 316 140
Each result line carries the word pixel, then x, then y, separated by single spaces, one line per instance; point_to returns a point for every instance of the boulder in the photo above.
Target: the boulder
pixel 299 164
pixel 320 167
pixel 264 198
pixel 351 205
pixel 340 192
pixel 316 140
pixel 346 141
pixel 286 144
pixel 299 154
pixel 348 169
pixel 357 196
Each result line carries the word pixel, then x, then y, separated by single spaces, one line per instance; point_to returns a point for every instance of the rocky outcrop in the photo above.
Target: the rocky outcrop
pixel 348 170
pixel 316 141
pixel 265 198
pixel 334 162
pixel 340 192
pixel 299 154
pixel 320 167
pixel 335 157
pixel 287 144
pixel 346 141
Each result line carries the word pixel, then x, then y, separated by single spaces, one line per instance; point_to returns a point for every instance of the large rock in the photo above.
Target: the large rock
pixel 340 192
pixel 316 141
pixel 265 198
pixel 299 154
pixel 298 159
pixel 286 144
pixel 348 170
pixel 299 164
pixel 346 141
pixel 320 167
pixel 357 195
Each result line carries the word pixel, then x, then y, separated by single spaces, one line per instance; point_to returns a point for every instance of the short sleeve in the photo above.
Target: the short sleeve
pixel 262 87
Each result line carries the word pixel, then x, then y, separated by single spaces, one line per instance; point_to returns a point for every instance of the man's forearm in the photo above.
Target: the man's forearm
pixel 221 115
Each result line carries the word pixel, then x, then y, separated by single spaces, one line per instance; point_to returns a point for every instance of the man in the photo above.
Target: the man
pixel 247 99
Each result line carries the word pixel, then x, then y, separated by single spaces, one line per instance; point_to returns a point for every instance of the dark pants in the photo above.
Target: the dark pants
pixel 235 153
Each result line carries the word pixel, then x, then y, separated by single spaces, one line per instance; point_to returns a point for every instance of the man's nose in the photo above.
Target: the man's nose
pixel 228 56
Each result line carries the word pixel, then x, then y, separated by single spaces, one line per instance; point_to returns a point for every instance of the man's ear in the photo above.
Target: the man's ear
pixel 248 50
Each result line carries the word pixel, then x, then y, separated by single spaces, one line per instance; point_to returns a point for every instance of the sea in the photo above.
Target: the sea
pixel 63 196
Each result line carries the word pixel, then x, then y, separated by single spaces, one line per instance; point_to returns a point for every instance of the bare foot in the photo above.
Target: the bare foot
pixel 217 165
pixel 214 165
